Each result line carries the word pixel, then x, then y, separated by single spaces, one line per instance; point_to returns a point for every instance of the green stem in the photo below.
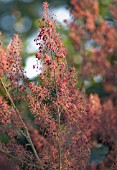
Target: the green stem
pixel 59 147
pixel 23 123
pixel 59 125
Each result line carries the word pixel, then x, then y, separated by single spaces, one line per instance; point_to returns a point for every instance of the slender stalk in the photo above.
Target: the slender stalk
pixel 23 123
pixel 59 147
pixel 59 125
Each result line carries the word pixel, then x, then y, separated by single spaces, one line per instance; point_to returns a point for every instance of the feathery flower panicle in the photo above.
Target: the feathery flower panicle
pixel 59 109
pixel 15 72
pixel 48 40
pixel 14 60
pixel 5 111
pixel 45 6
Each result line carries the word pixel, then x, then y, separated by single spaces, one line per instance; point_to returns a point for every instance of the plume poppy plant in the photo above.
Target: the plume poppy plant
pixel 57 138
pixel 63 118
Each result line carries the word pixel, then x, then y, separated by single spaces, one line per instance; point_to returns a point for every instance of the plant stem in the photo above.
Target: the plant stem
pixel 59 124
pixel 23 123
pixel 59 147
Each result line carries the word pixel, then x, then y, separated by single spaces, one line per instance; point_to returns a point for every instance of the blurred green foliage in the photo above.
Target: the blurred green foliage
pixel 19 16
